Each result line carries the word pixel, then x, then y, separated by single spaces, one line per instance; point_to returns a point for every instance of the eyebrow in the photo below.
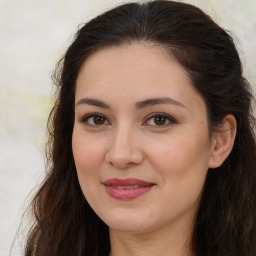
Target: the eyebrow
pixel 93 102
pixel 156 101
pixel 139 105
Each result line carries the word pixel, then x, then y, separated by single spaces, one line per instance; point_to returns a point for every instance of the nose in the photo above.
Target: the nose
pixel 124 149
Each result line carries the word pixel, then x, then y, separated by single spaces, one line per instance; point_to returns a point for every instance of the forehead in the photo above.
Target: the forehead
pixel 133 70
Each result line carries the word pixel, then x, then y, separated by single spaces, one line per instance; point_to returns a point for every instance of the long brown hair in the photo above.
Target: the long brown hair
pixel 226 222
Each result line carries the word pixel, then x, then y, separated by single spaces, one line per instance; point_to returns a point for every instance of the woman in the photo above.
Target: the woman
pixel 151 140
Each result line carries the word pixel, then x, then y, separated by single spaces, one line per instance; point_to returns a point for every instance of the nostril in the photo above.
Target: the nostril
pixel 124 156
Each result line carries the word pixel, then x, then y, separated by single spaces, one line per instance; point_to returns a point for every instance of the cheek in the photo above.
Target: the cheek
pixel 182 159
pixel 182 168
pixel 88 157
pixel 87 154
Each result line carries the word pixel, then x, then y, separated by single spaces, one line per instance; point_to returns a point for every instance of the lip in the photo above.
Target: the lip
pixel 127 189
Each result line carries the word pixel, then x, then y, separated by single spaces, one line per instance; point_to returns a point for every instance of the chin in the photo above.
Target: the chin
pixel 129 227
pixel 128 223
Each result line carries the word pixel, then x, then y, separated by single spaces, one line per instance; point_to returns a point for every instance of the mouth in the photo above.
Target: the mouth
pixel 127 189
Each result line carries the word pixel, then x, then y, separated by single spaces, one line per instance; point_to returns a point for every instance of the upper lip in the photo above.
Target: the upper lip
pixel 127 182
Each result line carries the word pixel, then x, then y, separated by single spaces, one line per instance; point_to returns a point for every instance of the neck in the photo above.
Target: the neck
pixel 161 242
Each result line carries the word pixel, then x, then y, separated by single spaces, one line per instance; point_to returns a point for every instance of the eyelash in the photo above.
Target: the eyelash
pixel 93 115
pixel 166 117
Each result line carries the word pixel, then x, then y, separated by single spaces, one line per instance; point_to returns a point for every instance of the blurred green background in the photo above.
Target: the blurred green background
pixel 33 36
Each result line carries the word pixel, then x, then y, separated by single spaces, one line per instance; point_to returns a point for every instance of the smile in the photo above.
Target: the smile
pixel 126 189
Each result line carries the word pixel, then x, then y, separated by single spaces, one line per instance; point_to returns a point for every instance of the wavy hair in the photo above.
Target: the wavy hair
pixel 226 221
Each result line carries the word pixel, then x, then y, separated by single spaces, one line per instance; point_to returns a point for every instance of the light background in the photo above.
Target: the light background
pixel 33 36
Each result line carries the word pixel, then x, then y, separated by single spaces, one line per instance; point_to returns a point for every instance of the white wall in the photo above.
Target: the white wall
pixel 33 35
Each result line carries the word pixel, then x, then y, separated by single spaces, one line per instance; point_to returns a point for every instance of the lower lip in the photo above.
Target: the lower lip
pixel 127 194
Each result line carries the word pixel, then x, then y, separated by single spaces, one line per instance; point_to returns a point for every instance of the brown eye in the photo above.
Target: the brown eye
pixel 95 120
pixel 99 120
pixel 160 120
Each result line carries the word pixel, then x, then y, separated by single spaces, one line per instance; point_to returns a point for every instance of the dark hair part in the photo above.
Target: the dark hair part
pixel 226 221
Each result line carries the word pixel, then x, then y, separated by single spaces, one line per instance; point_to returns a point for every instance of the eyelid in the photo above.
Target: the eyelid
pixel 152 115
pixel 87 116
pixel 161 114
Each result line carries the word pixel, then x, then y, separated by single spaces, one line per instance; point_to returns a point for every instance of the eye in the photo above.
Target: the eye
pixel 95 119
pixel 159 119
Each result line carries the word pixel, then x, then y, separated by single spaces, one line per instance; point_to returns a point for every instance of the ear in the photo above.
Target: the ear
pixel 222 141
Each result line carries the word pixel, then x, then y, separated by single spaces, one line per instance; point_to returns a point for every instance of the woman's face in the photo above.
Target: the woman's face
pixel 141 141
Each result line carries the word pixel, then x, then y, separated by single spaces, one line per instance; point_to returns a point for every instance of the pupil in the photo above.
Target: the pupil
pixel 98 120
pixel 159 120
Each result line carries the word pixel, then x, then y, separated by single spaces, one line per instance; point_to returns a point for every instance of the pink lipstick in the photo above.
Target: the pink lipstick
pixel 127 188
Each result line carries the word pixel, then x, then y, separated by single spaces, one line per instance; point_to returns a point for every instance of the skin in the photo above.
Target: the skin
pixel 128 142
